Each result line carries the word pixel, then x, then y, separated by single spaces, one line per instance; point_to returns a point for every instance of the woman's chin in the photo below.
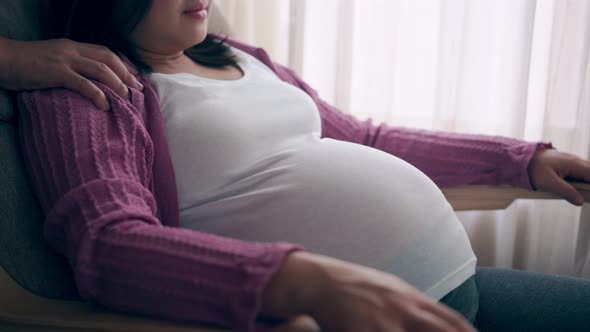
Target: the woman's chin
pixel 198 36
pixel 197 41
pixel 187 43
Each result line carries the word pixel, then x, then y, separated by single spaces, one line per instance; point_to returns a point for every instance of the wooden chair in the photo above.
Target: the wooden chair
pixel 33 307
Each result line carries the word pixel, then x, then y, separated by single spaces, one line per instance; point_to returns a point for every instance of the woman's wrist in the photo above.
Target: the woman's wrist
pixel 293 288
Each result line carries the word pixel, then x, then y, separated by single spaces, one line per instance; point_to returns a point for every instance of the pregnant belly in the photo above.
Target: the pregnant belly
pixel 336 198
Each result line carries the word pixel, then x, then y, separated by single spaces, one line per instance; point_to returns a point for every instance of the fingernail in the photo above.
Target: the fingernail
pixel 104 103
pixel 138 85
pixel 580 200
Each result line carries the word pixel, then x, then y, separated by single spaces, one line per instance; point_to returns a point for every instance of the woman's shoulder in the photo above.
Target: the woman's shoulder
pixel 63 108
pixel 249 62
pixel 61 99
pixel 51 98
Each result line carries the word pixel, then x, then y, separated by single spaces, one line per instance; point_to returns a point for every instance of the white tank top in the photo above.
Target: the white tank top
pixel 250 164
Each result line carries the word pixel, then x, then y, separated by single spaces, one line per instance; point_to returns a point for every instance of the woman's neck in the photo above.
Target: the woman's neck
pixel 161 62
pixel 171 63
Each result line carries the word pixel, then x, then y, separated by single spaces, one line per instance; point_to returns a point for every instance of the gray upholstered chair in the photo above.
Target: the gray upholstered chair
pixel 37 291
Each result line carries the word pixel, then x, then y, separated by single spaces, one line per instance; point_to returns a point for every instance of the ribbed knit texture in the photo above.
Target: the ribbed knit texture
pixel 449 159
pixel 106 184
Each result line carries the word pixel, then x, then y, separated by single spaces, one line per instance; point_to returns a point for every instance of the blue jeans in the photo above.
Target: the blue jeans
pixel 502 300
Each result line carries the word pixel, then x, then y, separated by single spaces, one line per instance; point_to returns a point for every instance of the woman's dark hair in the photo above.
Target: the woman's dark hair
pixel 110 22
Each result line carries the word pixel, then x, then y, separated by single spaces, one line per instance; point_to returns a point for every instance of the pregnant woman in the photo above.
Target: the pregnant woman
pixel 194 198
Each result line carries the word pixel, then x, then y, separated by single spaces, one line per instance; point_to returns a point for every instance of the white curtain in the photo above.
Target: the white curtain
pixel 518 68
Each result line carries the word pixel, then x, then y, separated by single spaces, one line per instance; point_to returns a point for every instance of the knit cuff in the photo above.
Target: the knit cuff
pixel 247 308
pixel 515 171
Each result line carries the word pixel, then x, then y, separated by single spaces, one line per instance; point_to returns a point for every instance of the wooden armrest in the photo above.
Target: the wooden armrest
pixel 493 198
pixel 20 310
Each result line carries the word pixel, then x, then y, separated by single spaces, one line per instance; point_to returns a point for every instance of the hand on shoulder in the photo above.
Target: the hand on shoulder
pixel 64 63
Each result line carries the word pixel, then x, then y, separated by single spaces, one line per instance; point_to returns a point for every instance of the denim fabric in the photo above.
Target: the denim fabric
pixel 464 299
pixel 510 300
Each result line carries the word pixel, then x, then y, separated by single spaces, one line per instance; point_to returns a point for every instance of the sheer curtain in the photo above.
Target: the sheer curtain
pixel 503 67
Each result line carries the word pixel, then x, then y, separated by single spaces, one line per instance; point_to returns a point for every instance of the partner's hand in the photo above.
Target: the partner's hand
pixel 549 168
pixel 64 63
pixel 345 297
pixel 299 324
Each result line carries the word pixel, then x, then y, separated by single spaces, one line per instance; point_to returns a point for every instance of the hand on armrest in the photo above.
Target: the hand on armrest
pixel 550 170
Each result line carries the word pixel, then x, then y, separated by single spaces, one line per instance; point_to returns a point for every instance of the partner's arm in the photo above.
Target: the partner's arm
pixel 27 65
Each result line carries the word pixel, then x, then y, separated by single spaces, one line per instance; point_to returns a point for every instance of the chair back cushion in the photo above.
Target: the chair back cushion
pixel 24 253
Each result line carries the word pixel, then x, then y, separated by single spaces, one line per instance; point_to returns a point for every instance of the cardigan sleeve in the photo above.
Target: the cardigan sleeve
pixel 91 171
pixel 449 159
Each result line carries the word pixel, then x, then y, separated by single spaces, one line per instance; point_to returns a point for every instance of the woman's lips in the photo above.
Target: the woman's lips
pixel 198 14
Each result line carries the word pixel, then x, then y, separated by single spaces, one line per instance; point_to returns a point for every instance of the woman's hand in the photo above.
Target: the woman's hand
pixel 300 323
pixel 64 63
pixel 345 297
pixel 549 168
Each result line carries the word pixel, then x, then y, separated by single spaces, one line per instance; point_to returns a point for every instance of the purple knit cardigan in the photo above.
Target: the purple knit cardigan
pixel 106 185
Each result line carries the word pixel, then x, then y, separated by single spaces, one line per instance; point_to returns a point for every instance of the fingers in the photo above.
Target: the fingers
pixel 114 64
pixel 456 321
pixel 581 170
pixel 427 321
pixel 396 329
pixel 577 169
pixel 83 86
pixel 432 316
pixel 299 324
pixel 102 73
pixel 94 48
pixel 130 68
pixel 566 190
